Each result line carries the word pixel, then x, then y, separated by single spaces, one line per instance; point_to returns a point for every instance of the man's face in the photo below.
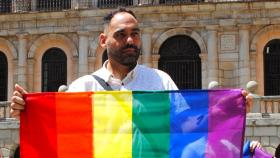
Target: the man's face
pixel 123 39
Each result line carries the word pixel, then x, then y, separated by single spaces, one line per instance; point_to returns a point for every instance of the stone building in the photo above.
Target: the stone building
pixel 231 43
pixel 48 43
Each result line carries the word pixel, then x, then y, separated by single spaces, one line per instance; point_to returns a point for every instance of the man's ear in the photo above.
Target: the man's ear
pixel 102 40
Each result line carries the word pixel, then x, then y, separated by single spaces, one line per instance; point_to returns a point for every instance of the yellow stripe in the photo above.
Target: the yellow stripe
pixel 112 124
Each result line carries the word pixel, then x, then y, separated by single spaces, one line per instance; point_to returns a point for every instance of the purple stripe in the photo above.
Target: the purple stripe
pixel 226 124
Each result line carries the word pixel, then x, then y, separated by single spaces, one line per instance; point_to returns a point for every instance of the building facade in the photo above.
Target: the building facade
pixel 48 43
pixel 195 43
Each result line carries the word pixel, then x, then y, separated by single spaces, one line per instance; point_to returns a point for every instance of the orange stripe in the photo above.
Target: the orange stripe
pixel 74 125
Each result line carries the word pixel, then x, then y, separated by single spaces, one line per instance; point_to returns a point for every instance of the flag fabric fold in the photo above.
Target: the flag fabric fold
pixel 141 124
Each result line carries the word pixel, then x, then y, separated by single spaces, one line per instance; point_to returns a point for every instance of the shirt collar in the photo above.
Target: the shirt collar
pixel 106 75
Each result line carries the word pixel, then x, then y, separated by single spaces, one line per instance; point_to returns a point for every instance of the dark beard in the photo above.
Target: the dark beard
pixel 129 60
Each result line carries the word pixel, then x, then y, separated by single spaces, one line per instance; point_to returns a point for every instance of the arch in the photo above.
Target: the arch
pixel 179 55
pixel 11 53
pixel 261 38
pixel 54 68
pixel 3 77
pixel 271 60
pixel 45 42
pixel 192 34
pixel 179 31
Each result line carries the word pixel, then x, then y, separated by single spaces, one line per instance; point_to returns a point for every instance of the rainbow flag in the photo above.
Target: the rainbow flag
pixel 124 124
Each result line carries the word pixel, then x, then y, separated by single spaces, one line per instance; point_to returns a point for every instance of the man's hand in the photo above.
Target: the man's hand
pixel 17 102
pixel 249 100
pixel 255 144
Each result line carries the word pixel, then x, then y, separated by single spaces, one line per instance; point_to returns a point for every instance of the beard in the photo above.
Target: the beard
pixel 124 57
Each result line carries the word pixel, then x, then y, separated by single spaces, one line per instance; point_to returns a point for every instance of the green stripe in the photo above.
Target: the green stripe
pixel 151 124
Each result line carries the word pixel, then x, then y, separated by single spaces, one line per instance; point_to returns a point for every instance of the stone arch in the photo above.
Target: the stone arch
pixel 41 45
pixel 261 38
pixel 179 31
pixel 11 53
pixel 195 36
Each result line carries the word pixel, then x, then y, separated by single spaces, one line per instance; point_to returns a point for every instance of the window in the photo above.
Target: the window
pixel 271 62
pixel 5 6
pixel 54 70
pixel 113 3
pixel 53 5
pixel 179 57
pixel 3 77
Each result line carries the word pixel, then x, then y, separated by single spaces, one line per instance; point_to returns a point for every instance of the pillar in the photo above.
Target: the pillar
pixel 147 47
pixel 212 58
pixel 244 58
pixel 22 59
pixel 83 52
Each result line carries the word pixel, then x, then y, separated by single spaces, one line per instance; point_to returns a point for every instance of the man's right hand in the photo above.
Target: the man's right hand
pixel 17 102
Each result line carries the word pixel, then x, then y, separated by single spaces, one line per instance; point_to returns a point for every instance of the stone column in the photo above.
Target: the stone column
pixel 203 57
pixel 147 47
pixel 22 59
pixel 212 58
pixel 74 4
pixel 30 74
pixel 83 52
pixel 33 5
pixel 244 58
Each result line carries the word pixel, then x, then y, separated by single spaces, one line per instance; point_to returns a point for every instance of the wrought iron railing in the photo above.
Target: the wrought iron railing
pixel 4 110
pixel 8 6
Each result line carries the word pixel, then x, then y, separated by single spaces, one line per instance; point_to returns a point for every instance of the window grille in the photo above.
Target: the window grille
pixel 179 57
pixel 3 77
pixel 272 68
pixel 54 70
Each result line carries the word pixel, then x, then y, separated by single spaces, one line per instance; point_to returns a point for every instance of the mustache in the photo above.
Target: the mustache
pixel 131 46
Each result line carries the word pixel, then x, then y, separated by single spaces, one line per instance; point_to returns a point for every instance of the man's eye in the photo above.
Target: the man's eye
pixel 120 35
pixel 135 34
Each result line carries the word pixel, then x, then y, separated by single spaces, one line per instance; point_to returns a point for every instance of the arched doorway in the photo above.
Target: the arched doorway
pixel 54 70
pixel 3 77
pixel 179 57
pixel 271 62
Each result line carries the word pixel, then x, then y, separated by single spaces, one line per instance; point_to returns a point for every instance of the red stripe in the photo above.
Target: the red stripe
pixel 74 125
pixel 38 140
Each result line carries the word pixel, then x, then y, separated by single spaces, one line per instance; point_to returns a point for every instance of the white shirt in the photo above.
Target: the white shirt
pixel 140 78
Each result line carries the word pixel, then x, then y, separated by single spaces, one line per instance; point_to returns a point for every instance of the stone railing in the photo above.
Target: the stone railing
pixel 18 6
pixel 266 104
pixel 4 110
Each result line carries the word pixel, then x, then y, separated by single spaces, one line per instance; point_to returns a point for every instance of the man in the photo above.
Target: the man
pixel 122 40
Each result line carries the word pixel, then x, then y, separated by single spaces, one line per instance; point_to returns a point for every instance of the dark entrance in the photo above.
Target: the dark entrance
pixel 179 57
pixel 54 70
pixel 271 58
pixel 3 77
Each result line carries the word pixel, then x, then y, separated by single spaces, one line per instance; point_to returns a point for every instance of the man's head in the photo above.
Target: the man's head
pixel 121 37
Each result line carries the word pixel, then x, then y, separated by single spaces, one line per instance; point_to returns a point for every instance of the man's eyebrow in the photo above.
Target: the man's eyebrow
pixel 136 29
pixel 123 30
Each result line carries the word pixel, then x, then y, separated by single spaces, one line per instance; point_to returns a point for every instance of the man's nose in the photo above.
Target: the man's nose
pixel 129 40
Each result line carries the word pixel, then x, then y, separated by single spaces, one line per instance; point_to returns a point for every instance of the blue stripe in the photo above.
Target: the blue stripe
pixel 189 124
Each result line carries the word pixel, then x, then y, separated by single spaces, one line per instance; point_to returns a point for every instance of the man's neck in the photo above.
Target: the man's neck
pixel 119 71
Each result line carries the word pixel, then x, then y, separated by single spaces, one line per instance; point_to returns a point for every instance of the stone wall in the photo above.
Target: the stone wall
pixel 231 37
pixel 9 137
pixel 263 128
